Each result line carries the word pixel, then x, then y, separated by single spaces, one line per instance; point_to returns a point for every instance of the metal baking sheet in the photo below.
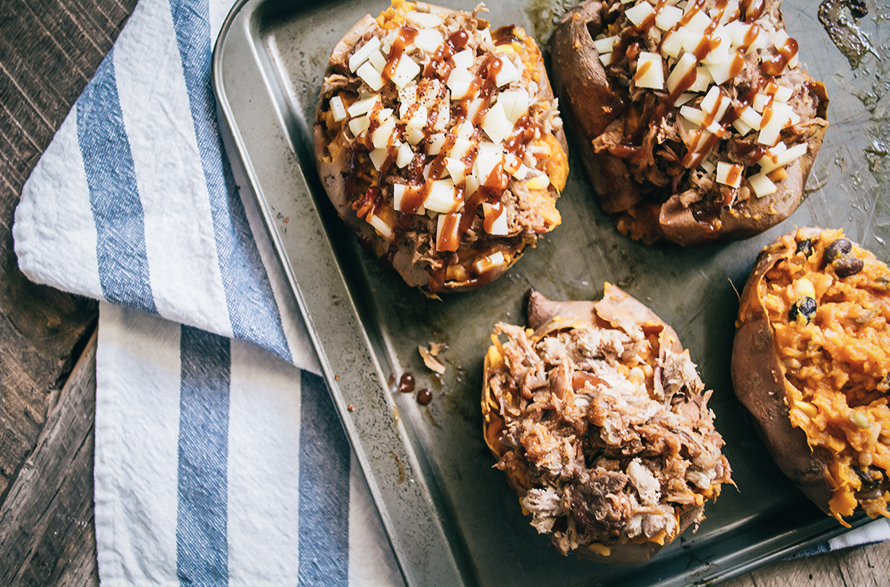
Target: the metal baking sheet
pixel 450 516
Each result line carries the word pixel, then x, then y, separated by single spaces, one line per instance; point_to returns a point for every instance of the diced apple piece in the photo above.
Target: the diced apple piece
pixel 684 98
pixel 741 127
pixel 359 125
pixel 496 124
pixel 649 71
pixel 672 44
pixel 761 185
pixel 699 22
pixel 428 40
pixel 362 53
pixel 418 118
pixel 443 116
pixel 729 174
pixel 499 226
pixel 415 135
pixel 685 65
pixel 489 262
pixel 380 226
pixel 775 122
pixel 720 53
pixel 782 158
pixel 760 102
pixel 490 156
pixel 437 141
pixel 703 79
pixel 378 61
pixel 638 13
pixel 693 115
pixel 691 39
pixel 363 106
pixel 378 156
pixel 472 184
pixel 442 197
pixel 514 103
pixel 405 71
pixel 667 18
pixel 383 133
pixel 464 59
pixel 486 36
pixel 426 20
pixel 460 148
pixel 370 76
pixel 404 155
pixel 338 111
pixel 708 166
pixel 751 118
pixel 508 73
pixel 456 169
pixel 606 59
pixel 606 44
pixel 721 72
pixel 783 94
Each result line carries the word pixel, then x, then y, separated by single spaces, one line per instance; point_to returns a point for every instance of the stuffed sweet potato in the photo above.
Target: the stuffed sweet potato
pixel 439 142
pixel 811 362
pixel 598 417
pixel 694 119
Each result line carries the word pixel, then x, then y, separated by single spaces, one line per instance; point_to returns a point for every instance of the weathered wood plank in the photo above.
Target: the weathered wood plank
pixel 48 51
pixel 47 534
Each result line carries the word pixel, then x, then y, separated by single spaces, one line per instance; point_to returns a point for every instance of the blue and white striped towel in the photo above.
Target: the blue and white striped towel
pixel 216 462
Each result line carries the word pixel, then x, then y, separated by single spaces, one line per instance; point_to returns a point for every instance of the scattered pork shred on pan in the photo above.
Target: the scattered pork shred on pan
pixel 600 421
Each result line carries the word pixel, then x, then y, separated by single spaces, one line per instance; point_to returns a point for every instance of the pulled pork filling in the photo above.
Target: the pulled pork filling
pixel 603 431
pixel 828 302
pixel 448 139
pixel 712 102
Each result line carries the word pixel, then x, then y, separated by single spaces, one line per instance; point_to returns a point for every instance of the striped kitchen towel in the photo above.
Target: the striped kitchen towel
pixel 216 462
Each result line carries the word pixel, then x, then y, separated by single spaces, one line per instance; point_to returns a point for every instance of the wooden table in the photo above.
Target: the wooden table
pixel 49 49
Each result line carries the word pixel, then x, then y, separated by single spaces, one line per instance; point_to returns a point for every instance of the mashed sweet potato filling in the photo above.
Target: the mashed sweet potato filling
pixel 835 354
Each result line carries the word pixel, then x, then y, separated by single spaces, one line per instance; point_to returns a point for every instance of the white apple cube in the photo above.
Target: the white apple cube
pixel 761 185
pixel 729 174
pixel 338 111
pixel 428 40
pixel 499 226
pixel 362 53
pixel 496 124
pixel 649 71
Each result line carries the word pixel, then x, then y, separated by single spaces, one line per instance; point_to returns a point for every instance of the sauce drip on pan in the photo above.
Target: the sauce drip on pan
pixel 406 383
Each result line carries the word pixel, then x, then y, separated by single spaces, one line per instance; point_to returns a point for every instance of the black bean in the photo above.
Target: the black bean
pixel 805 306
pixel 805 247
pixel 848 266
pixel 838 248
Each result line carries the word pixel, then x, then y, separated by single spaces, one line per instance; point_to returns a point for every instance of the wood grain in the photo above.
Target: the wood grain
pixel 47 534
pixel 48 51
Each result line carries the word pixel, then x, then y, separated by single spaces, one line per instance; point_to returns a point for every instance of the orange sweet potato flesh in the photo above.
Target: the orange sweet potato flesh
pixel 589 103
pixel 807 383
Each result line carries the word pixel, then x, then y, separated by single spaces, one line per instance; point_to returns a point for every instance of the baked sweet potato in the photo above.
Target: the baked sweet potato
pixel 695 120
pixel 439 142
pixel 811 360
pixel 598 417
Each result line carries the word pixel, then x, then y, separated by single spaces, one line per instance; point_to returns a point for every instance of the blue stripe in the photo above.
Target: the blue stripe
pixel 324 488
pixel 201 533
pixel 251 304
pixel 114 196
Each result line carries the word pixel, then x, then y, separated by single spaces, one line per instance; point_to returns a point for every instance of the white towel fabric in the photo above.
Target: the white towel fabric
pixel 216 462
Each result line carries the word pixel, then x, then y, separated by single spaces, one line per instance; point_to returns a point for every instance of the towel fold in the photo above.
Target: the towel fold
pixel 219 456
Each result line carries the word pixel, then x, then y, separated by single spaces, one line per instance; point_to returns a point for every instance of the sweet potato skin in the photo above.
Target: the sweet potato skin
pixel 588 101
pixel 759 383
